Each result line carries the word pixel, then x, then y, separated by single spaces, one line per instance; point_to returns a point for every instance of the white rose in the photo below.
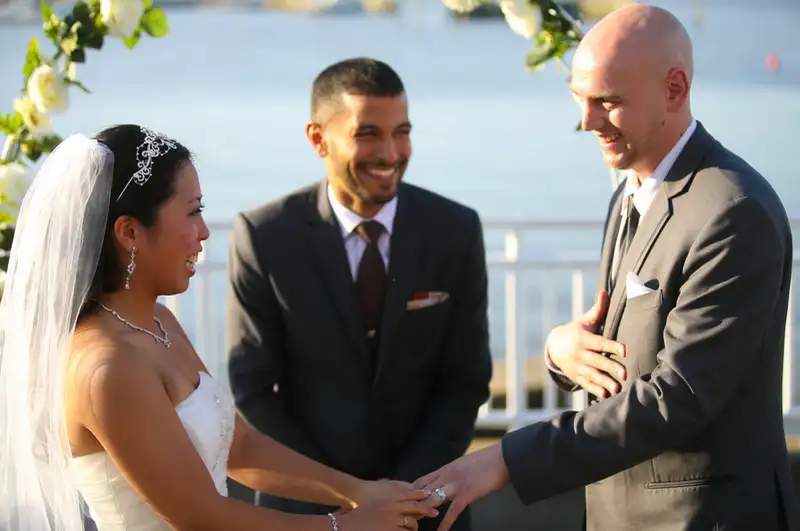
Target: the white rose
pixel 37 122
pixel 15 179
pixel 522 17
pixel 121 17
pixel 462 6
pixel 48 90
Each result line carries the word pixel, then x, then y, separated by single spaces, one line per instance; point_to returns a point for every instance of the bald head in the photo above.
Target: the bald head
pixel 640 36
pixel 632 75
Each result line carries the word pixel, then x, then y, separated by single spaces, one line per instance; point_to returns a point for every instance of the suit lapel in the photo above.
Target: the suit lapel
pixel 330 258
pixel 646 235
pixel 658 215
pixel 405 257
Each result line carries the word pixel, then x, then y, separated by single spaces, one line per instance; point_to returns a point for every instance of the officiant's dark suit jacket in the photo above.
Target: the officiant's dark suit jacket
pixel 299 364
pixel 694 441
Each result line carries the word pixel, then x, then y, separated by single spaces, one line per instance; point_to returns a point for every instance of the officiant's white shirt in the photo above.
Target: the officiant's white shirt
pixel 349 221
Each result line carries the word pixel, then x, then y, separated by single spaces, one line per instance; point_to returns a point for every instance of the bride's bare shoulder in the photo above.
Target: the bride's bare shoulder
pixel 100 362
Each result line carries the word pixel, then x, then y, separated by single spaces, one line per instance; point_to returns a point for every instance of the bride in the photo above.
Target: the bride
pixel 102 397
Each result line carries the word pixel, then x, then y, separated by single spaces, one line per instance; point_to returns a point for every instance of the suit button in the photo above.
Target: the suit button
pixel 371 333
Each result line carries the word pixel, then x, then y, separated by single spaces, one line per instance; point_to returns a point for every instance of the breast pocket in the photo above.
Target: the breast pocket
pixel 422 329
pixel 648 301
pixel 641 330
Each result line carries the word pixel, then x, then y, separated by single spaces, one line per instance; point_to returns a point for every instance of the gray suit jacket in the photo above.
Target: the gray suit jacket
pixel 300 367
pixel 694 441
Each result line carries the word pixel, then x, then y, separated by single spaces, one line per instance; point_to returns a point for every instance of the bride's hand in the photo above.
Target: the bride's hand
pixel 384 490
pixel 393 508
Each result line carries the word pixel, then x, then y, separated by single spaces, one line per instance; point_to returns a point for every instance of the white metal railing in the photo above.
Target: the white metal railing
pixel 517 349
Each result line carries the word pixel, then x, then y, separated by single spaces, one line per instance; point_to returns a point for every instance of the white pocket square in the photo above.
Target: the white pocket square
pixel 424 299
pixel 634 287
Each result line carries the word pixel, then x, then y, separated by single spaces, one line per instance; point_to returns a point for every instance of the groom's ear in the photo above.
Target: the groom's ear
pixel 314 133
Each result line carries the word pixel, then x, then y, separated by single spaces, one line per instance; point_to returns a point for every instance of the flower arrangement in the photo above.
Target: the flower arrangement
pixel 45 89
pixel 549 25
pixel 551 28
pixel 546 23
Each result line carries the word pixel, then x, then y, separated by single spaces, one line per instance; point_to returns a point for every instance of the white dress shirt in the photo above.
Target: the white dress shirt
pixel 643 194
pixel 354 244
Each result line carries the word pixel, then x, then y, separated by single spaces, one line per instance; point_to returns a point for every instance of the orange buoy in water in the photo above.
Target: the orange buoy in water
pixel 773 62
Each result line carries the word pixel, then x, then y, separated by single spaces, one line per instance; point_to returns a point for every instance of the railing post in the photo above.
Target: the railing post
pixel 202 314
pixel 549 302
pixel 579 398
pixel 516 398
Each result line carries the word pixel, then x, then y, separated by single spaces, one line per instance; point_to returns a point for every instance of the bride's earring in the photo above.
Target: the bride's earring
pixel 131 268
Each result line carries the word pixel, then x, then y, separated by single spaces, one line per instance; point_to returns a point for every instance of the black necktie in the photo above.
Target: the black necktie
pixel 629 229
pixel 630 224
pixel 371 278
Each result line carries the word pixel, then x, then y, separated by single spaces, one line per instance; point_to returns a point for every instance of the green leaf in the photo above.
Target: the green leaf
pixel 17 122
pixel 32 59
pixel 82 12
pixel 579 127
pixel 154 22
pixel 48 143
pixel 542 51
pixel 46 10
pixel 31 150
pixel 6 233
pixel 78 56
pixel 133 40
pixel 147 4
pixel 79 85
pixel 11 123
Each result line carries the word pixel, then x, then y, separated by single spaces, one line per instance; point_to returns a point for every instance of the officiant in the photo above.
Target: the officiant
pixel 357 327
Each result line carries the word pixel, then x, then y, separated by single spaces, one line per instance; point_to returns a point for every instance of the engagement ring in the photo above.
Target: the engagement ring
pixel 440 493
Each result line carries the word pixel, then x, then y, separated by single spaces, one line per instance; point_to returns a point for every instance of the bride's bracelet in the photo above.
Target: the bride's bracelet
pixel 334 523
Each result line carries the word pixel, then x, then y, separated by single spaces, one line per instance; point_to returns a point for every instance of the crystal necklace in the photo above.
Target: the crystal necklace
pixel 163 340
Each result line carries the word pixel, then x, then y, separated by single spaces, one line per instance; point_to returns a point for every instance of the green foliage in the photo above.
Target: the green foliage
pixel 557 36
pixel 81 29
pixel 10 123
pixel 154 22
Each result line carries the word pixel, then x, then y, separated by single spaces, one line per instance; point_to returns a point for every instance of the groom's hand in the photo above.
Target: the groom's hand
pixel 466 480
pixel 577 351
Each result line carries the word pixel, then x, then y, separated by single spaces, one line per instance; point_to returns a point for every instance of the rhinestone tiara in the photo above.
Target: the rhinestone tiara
pixel 154 145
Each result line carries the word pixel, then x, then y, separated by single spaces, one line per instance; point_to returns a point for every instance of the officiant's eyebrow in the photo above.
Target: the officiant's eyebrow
pixel 369 128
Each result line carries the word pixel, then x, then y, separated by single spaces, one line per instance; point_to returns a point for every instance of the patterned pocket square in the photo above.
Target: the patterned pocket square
pixel 424 299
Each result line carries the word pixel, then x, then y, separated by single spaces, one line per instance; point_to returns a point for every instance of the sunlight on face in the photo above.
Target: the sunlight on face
pixel 622 102
pixel 370 146
pixel 175 240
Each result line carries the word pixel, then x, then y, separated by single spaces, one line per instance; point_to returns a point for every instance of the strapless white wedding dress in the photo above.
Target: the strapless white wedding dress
pixel 208 414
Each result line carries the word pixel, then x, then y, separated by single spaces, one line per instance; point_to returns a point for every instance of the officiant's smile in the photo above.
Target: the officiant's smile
pixel 366 143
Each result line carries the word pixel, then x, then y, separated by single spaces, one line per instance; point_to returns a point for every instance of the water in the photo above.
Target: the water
pixel 234 86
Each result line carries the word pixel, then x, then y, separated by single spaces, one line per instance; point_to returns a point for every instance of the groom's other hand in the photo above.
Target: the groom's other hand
pixel 465 481
pixel 580 353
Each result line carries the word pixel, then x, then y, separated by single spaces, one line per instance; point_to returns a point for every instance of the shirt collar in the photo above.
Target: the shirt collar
pixel 644 194
pixel 349 220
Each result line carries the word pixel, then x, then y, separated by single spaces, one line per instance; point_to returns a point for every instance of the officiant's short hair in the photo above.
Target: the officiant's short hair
pixel 360 76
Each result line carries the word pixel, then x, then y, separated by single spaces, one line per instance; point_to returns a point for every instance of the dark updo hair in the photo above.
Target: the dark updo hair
pixel 139 202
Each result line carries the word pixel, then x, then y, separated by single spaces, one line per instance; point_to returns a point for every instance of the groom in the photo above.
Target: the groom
pixel 357 325
pixel 698 257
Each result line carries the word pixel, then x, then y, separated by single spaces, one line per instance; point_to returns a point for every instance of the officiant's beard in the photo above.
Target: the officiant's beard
pixel 356 181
